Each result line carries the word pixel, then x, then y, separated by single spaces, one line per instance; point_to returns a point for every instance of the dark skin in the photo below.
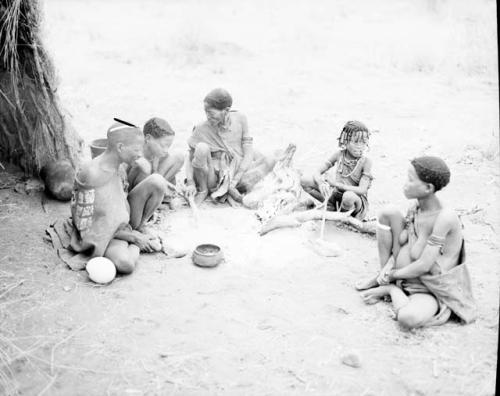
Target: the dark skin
pixel 422 258
pixel 200 181
pixel 321 186
pixel 123 250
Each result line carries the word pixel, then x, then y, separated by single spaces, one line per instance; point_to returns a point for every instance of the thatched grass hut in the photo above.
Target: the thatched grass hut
pixel 33 129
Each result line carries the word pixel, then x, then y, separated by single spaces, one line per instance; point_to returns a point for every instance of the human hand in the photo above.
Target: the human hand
pixel 325 189
pixel 385 276
pixel 190 190
pixel 142 241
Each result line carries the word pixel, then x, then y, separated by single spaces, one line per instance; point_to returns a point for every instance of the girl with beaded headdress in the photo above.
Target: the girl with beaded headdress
pixel 347 188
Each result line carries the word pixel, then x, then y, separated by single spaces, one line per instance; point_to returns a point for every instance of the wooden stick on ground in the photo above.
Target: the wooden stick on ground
pixel 194 208
pixel 297 218
pixel 323 219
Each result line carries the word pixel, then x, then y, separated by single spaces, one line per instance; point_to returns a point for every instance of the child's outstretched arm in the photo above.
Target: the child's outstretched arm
pixel 364 183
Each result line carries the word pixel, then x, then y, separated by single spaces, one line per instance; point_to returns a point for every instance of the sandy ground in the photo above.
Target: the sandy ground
pixel 275 318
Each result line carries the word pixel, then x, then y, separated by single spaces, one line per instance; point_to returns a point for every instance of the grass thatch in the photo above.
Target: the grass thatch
pixel 33 129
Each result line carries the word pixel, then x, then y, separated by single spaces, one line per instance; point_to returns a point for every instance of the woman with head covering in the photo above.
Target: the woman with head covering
pixel 422 255
pixel 222 161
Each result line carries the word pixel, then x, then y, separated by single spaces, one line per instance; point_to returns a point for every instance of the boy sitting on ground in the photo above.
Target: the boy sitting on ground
pixel 158 137
pixel 106 221
pixel 347 190
pixel 422 255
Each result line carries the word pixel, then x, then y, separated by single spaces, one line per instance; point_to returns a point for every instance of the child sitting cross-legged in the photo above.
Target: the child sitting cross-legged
pixel 347 189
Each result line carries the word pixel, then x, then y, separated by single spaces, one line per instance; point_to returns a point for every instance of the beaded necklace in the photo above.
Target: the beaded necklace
pixel 344 162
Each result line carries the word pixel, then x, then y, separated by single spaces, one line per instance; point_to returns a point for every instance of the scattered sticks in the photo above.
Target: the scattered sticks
pixel 71 335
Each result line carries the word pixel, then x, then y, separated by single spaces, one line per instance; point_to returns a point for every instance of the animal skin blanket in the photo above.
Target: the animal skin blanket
pixel 280 192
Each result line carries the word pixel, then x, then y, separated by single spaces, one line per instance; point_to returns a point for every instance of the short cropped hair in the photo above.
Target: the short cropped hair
pixel 157 128
pixel 432 170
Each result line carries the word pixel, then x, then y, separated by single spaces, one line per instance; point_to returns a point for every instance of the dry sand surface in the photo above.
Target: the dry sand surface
pixel 275 318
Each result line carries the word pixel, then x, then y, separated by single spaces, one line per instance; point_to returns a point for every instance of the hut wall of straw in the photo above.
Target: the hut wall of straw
pixel 33 129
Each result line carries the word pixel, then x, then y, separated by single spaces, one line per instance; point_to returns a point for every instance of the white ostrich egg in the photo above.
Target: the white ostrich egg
pixel 101 270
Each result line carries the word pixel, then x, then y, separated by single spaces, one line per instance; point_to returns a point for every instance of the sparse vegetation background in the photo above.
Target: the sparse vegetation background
pixel 275 318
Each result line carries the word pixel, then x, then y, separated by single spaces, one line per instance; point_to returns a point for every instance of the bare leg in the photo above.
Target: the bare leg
pixel 391 223
pixel 389 227
pixel 203 171
pixel 398 297
pixel 260 167
pixel 309 186
pixel 417 310
pixel 350 201
pixel 411 311
pixel 145 198
pixel 373 295
pixel 171 165
pixel 123 255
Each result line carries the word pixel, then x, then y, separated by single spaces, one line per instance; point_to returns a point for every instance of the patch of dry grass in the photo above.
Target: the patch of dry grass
pixel 8 385
pixel 442 37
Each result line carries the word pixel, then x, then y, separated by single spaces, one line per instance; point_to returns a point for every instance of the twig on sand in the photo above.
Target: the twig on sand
pixel 58 344
pixel 194 208
pixel 43 201
pixel 108 389
pixel 293 374
pixel 12 288
pixel 323 219
pixel 30 357
pixel 435 369
pixel 47 387
pixel 1 166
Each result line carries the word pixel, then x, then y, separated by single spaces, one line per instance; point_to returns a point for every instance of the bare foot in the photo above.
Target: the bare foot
pixel 373 296
pixel 366 284
pixel 235 194
pixel 200 197
pixel 155 245
pixel 233 202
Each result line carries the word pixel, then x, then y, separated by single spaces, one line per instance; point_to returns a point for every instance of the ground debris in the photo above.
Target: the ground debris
pixel 351 359
pixel 29 186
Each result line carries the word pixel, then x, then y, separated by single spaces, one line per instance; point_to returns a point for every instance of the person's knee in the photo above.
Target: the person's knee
pixel 123 260
pixel 307 182
pixel 409 319
pixel 387 213
pixel 201 154
pixel 156 184
pixel 124 265
pixel 349 199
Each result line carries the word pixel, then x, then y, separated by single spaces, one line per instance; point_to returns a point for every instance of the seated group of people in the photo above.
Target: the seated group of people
pixel 421 254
